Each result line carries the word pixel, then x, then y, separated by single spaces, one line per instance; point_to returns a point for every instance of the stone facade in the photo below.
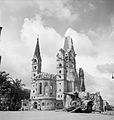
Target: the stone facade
pixel 43 91
pixel 47 92
pixel 68 79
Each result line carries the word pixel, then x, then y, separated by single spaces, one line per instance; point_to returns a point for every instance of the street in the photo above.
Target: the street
pixel 52 115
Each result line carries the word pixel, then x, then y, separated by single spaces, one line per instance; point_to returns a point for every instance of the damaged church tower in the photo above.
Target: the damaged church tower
pixel 47 90
pixel 67 77
pixel 36 61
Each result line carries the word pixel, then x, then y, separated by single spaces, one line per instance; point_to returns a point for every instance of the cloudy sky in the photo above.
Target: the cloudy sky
pixel 89 22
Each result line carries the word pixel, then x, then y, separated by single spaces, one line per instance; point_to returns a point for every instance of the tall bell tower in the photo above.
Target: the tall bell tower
pixel 36 61
pixel 67 78
pixel 36 69
pixel 61 82
pixel 70 65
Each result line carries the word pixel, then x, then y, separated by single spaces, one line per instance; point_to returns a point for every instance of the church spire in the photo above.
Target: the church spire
pixel 37 57
pixel 67 43
pixel 37 49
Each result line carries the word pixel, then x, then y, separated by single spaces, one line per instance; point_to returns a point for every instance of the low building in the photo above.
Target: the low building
pixel 43 93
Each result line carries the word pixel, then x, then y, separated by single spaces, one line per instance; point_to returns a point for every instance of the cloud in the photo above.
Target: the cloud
pixel 91 55
pixel 13 4
pixel 106 68
pixel 91 6
pixel 103 41
pixel 47 35
pixel 56 8
pixel 100 84
pixel 94 49
pixel 19 53
pixel 82 43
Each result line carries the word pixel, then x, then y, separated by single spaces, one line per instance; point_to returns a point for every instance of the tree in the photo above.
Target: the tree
pixel 11 92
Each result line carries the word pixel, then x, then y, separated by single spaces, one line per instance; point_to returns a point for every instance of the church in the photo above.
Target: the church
pixel 47 90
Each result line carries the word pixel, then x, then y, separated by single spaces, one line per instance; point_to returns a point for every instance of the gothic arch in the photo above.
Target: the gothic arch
pixel 40 88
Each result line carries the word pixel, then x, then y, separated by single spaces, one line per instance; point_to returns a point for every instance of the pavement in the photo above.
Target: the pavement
pixel 52 115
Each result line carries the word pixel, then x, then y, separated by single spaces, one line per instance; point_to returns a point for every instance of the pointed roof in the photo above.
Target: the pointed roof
pixel 37 49
pixel 68 44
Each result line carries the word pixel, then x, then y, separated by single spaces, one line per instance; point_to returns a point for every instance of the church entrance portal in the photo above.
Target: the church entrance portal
pixel 35 105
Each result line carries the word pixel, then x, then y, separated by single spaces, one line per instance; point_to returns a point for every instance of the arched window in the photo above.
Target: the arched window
pixel 43 104
pixel 59 71
pixel 51 88
pixel 60 65
pixel 46 90
pixel 34 60
pixel 40 88
pixel 35 67
pixel 59 76
pixel 35 105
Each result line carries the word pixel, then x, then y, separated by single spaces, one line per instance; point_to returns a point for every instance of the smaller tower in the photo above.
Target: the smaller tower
pixel 36 61
pixel 36 69
pixel 81 78
pixel 61 80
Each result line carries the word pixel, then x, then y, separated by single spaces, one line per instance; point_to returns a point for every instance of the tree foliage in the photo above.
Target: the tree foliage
pixel 11 92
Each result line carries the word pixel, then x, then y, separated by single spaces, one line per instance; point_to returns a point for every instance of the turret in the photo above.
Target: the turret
pixel 81 78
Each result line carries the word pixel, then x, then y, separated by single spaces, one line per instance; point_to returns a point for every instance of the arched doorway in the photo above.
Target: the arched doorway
pixel 35 105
